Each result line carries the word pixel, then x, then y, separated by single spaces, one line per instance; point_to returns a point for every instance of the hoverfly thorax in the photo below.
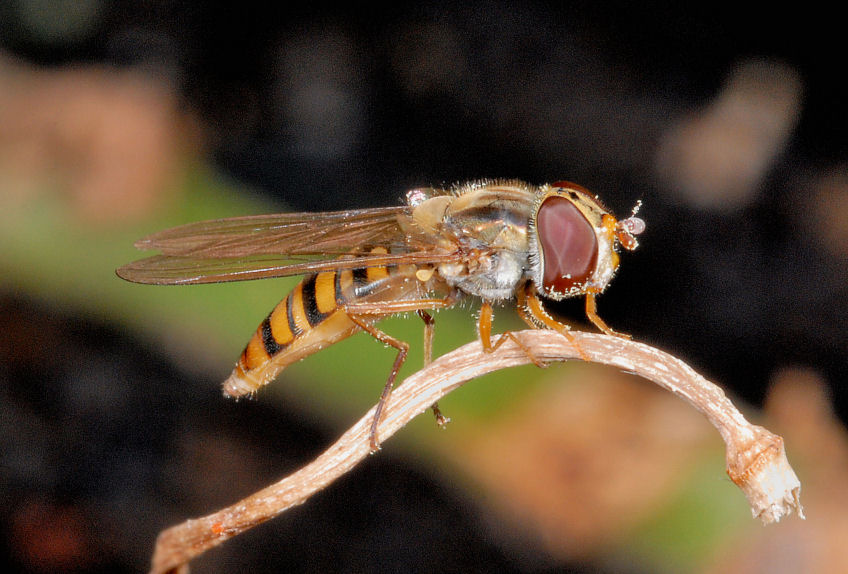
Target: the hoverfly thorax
pixel 573 241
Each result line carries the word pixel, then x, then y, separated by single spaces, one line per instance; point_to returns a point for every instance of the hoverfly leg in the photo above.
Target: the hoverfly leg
pixel 530 309
pixel 484 327
pixel 429 324
pixel 592 314
pixel 429 328
pixel 359 313
pixel 403 349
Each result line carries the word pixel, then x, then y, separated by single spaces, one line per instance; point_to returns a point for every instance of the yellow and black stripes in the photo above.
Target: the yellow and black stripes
pixel 272 346
pixel 306 307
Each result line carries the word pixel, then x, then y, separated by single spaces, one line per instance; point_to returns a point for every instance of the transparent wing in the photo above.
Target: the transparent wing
pixel 328 233
pixel 263 246
pixel 186 270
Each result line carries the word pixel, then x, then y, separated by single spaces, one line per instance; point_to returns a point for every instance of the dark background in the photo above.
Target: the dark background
pixel 322 108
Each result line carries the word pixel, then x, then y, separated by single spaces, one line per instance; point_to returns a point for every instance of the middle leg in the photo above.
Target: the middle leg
pixel 429 329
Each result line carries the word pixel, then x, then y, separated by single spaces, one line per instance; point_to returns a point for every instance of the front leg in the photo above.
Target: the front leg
pixel 592 314
pixel 533 313
pixel 484 330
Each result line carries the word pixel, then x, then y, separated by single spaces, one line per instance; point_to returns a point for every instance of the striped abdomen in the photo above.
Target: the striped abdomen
pixel 311 318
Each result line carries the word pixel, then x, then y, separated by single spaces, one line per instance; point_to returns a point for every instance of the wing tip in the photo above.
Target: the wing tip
pixel 130 273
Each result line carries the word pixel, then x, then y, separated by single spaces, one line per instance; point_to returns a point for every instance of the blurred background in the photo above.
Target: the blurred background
pixel 121 118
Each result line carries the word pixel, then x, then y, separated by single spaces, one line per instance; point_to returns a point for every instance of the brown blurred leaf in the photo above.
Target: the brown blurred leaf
pixel 569 461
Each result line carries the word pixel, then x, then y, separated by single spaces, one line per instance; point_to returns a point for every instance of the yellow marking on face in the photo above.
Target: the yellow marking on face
pixel 609 223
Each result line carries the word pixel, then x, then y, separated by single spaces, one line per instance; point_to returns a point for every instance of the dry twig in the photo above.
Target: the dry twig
pixel 756 460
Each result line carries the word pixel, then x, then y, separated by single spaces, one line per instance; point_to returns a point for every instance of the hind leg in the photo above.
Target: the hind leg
pixel 403 349
pixel 363 314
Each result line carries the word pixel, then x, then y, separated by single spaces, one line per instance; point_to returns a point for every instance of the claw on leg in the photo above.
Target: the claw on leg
pixel 403 349
pixel 484 327
pixel 534 314
pixel 592 313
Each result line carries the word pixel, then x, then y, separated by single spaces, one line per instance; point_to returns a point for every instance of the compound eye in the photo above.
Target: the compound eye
pixel 568 244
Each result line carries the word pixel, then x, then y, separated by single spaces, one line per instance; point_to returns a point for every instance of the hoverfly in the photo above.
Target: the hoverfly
pixel 493 239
